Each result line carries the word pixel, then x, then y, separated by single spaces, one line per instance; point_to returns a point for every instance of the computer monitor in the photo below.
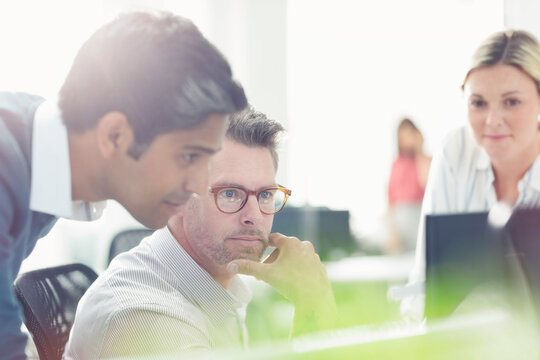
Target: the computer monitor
pixel 524 233
pixel 327 229
pixel 462 253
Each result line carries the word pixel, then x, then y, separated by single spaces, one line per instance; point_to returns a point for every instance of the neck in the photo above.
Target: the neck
pixel 83 168
pixel 218 272
pixel 508 173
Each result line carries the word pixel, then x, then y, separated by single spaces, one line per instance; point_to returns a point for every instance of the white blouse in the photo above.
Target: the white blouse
pixel 461 180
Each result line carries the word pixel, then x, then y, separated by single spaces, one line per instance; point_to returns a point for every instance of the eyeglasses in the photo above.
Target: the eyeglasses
pixel 231 199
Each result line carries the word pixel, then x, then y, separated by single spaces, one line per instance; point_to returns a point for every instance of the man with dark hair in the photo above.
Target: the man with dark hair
pixel 178 291
pixel 141 111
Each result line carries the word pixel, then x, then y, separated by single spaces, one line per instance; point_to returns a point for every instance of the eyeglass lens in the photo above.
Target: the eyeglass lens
pixel 232 199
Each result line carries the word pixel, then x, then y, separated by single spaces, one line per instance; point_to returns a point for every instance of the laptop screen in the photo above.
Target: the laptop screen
pixel 524 232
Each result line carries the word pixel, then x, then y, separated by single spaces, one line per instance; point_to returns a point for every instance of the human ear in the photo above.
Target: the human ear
pixel 114 134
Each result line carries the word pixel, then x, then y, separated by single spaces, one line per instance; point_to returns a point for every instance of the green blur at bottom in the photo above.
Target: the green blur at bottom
pixel 487 324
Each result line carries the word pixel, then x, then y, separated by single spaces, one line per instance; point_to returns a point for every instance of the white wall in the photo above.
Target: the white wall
pixel 39 40
pixel 522 14
pixel 354 69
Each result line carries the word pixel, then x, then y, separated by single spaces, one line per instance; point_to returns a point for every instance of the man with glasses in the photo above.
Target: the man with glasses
pixel 142 109
pixel 179 290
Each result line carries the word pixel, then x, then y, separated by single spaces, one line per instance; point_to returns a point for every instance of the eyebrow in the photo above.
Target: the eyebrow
pixel 502 95
pixel 510 92
pixel 203 149
pixel 243 187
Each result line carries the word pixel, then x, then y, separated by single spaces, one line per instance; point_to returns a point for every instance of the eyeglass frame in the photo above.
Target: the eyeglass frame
pixel 217 189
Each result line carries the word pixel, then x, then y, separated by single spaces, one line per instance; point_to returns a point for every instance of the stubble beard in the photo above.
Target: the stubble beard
pixel 223 252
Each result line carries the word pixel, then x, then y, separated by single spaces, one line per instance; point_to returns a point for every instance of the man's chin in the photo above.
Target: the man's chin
pixel 249 256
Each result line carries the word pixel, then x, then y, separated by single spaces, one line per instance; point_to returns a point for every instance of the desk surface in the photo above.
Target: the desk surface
pixel 371 268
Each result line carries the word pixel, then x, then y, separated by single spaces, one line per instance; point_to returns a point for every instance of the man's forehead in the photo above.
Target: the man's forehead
pixel 242 165
pixel 235 154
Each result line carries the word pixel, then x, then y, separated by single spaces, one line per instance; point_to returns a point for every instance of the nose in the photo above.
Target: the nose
pixel 251 213
pixel 494 116
pixel 196 180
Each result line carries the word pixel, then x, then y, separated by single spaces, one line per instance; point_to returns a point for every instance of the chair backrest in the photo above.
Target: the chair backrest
pixel 49 299
pixel 126 240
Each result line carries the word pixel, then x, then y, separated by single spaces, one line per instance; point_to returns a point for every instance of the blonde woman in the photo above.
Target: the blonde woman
pixel 495 158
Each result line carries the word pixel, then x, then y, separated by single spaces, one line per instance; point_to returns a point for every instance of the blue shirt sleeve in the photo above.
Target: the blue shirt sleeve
pixel 13 245
pixel 12 340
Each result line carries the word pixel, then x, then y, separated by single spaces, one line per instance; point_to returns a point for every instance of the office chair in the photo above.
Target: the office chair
pixel 49 299
pixel 127 240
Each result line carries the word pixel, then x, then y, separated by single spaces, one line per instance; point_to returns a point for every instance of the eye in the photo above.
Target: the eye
pixel 230 194
pixel 266 195
pixel 477 103
pixel 512 102
pixel 188 159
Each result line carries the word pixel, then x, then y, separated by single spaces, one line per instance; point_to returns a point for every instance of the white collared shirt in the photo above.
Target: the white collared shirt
pixel 157 299
pixel 461 180
pixel 50 190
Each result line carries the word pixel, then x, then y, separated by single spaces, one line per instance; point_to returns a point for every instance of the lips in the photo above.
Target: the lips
pixel 496 137
pixel 173 204
pixel 246 241
pixel 246 238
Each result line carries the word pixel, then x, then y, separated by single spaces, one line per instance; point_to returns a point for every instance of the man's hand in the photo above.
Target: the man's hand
pixel 295 270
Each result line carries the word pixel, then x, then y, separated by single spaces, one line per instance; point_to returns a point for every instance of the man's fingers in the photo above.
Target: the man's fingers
pixel 247 267
pixel 280 241
pixel 276 239
pixel 272 257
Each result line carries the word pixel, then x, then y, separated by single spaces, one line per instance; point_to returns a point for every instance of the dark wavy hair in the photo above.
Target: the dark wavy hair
pixel 157 69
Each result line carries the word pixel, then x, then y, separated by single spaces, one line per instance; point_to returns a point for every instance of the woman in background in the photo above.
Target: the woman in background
pixel 495 158
pixel 406 188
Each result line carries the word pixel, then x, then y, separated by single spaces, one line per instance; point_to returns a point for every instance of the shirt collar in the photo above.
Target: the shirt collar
pixel 197 284
pixel 532 176
pixel 50 190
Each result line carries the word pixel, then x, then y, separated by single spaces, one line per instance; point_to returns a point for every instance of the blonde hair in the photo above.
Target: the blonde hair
pixel 512 47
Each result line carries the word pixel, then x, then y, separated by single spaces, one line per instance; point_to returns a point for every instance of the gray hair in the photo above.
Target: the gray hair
pixel 252 128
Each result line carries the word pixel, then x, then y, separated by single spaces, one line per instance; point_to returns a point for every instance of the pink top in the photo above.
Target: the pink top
pixel 404 186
